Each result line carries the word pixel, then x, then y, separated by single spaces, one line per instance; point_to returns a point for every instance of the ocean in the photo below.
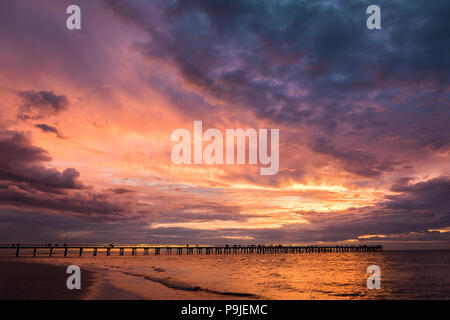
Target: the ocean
pixel 404 275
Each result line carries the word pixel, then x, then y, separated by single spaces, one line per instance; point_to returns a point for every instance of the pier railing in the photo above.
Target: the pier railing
pixel 180 250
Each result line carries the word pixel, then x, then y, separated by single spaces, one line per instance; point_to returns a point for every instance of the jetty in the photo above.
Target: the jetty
pixel 135 250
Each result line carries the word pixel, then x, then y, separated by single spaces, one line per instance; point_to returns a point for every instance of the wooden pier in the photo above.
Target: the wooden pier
pixel 180 250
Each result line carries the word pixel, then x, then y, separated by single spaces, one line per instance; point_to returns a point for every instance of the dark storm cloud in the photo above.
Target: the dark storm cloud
pixel 46 128
pixel 41 104
pixel 35 227
pixel 354 161
pixel 434 193
pixel 15 146
pixel 22 162
pixel 262 54
pixel 85 204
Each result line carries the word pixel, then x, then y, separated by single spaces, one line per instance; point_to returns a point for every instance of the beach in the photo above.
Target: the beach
pixel 25 280
pixel 45 279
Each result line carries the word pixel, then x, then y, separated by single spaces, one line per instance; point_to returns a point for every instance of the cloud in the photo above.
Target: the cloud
pixel 41 104
pixel 407 216
pixel 26 182
pixel 84 204
pixel 311 66
pixel 294 61
pixel 417 208
pixel 24 163
pixel 356 110
pixel 354 161
pixel 121 190
pixel 15 146
pixel 201 211
pixel 431 194
pixel 46 128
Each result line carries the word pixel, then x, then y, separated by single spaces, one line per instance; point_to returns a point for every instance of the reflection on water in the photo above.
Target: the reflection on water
pixel 404 274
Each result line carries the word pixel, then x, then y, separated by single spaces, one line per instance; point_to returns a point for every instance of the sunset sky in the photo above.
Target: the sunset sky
pixel 87 115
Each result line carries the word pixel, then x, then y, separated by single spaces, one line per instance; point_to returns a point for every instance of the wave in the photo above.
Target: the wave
pixel 172 284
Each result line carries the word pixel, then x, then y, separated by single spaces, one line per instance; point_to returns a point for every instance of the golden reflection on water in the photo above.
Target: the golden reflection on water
pixel 290 276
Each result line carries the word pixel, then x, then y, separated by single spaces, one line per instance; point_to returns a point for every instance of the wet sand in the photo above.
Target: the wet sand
pixel 40 279
pixel 20 280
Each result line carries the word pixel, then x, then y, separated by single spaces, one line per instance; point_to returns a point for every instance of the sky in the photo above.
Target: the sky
pixel 87 116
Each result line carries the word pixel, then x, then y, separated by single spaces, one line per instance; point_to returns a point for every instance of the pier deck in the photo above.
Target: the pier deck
pixel 180 250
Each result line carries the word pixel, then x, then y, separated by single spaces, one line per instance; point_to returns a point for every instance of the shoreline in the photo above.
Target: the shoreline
pixel 45 279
